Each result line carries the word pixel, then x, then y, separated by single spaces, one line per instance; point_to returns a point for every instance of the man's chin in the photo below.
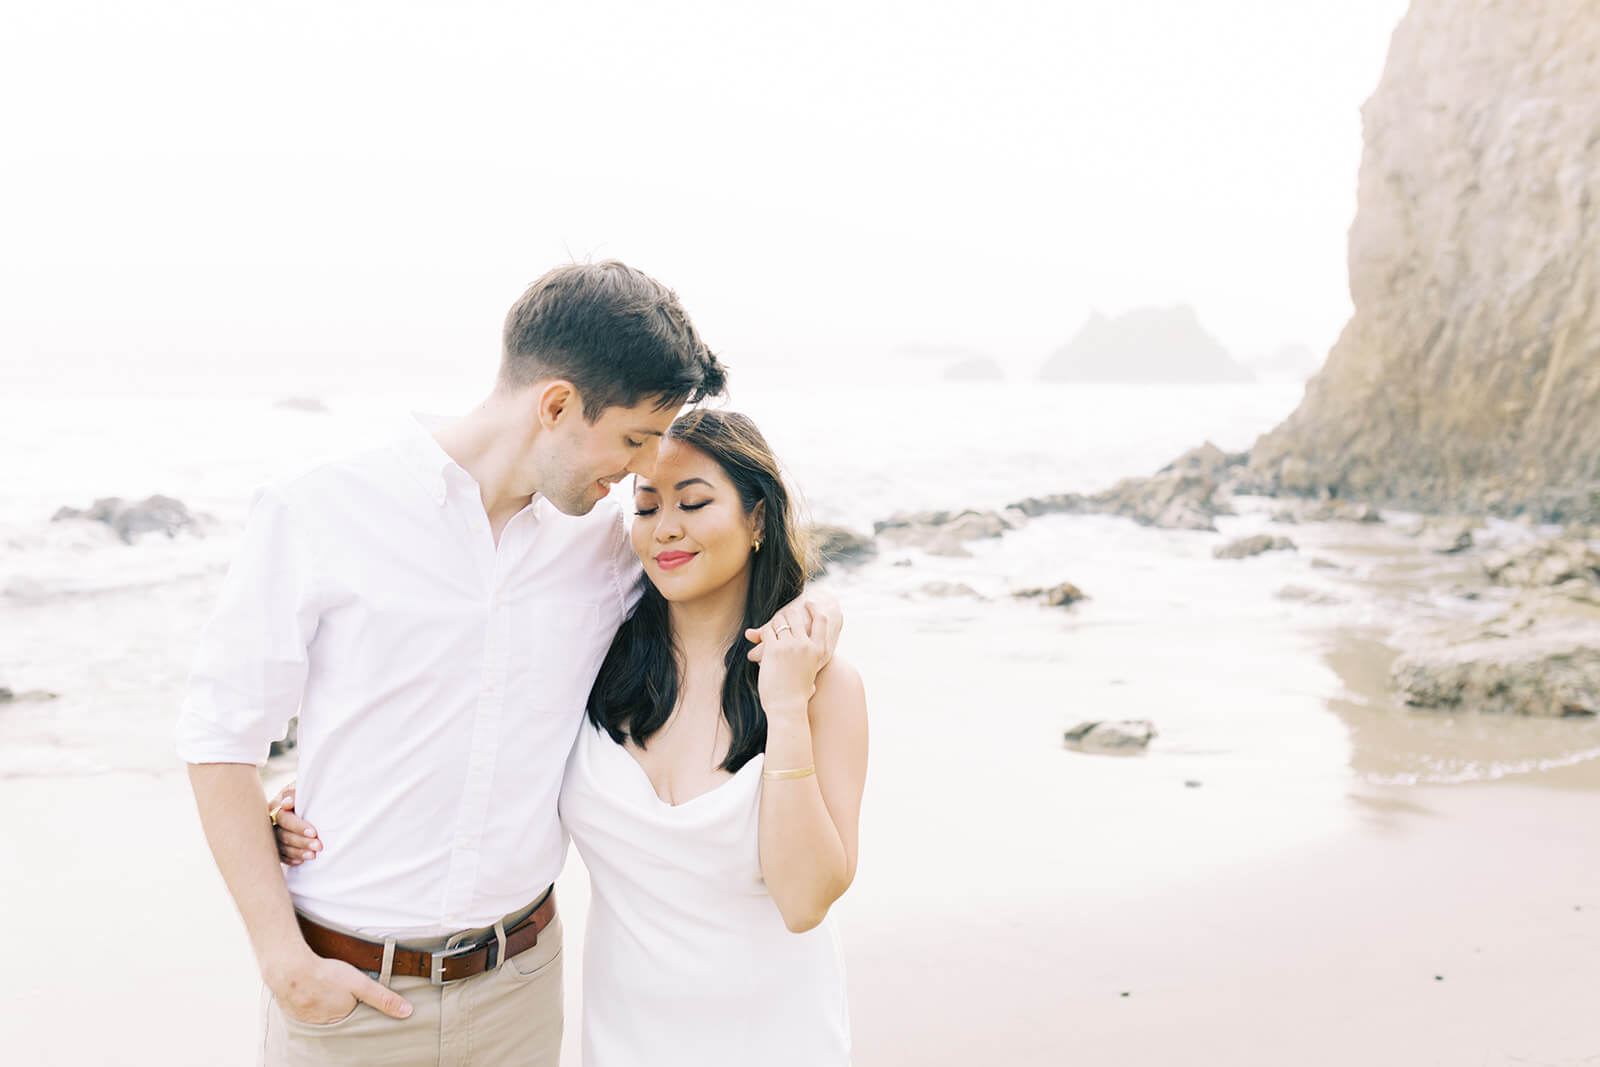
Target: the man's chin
pixel 576 504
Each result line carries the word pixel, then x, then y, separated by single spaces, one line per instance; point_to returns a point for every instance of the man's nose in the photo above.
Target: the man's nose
pixel 643 462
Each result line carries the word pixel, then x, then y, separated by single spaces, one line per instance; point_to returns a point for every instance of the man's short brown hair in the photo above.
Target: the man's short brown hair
pixel 616 333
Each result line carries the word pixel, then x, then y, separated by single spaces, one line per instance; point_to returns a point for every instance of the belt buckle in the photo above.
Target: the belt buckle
pixel 449 952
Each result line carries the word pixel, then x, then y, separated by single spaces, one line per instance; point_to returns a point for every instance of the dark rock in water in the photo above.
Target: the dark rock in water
pixel 1111 736
pixel 161 514
pixel 838 544
pixel 1207 458
pixel 1246 547
pixel 290 740
pixel 975 369
pixel 1172 501
pixel 1186 494
pixel 308 404
pixel 1321 564
pixel 1056 596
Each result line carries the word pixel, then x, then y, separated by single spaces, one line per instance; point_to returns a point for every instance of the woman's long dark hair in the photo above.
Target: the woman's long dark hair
pixel 637 688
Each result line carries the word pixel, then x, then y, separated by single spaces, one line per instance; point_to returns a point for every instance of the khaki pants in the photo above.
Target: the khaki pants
pixel 510 1015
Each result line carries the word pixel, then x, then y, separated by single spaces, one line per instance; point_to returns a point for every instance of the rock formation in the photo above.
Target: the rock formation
pixel 1468 378
pixel 944 533
pixel 839 544
pixel 1145 345
pixel 154 514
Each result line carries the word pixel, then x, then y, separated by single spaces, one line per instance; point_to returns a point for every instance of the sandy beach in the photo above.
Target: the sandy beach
pixel 1442 925
pixel 1262 903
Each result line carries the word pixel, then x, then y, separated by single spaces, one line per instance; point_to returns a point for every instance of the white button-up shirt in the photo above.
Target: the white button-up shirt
pixel 439 679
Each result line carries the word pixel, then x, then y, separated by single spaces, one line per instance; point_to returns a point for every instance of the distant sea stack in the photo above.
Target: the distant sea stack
pixel 1144 346
pixel 976 369
pixel 1468 378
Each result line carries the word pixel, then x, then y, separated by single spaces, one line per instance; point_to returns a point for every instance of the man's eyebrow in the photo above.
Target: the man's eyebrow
pixel 646 433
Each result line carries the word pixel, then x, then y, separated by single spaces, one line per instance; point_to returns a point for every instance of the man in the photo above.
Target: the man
pixel 436 612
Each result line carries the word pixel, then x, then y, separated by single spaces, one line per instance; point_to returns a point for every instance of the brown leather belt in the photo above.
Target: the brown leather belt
pixel 449 964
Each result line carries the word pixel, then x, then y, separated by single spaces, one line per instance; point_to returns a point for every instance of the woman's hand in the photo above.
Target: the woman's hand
pixel 791 657
pixel 812 607
pixel 297 839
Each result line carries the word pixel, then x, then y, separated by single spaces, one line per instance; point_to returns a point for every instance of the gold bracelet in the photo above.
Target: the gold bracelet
pixel 798 772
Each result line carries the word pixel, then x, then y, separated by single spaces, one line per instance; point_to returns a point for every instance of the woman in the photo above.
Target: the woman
pixel 714 800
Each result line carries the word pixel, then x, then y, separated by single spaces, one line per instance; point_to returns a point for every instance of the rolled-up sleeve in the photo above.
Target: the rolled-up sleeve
pixel 250 669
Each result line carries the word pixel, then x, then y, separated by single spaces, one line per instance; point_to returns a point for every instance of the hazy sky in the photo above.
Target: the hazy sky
pixel 821 180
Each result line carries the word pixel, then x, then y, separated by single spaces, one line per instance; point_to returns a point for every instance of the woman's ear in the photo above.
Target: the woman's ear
pixel 758 518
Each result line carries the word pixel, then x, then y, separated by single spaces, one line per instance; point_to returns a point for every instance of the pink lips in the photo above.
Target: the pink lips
pixel 671 560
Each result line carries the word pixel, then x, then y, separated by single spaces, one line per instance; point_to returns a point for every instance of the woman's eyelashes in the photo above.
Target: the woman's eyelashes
pixel 686 507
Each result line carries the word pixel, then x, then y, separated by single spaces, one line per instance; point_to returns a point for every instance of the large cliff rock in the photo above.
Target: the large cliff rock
pixel 1468 378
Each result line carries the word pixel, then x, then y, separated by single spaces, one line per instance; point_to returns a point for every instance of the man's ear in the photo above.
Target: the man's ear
pixel 557 399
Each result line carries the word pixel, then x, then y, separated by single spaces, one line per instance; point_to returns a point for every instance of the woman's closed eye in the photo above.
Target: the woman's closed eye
pixel 685 507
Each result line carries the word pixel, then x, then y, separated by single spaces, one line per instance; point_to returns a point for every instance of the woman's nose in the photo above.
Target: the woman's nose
pixel 668 530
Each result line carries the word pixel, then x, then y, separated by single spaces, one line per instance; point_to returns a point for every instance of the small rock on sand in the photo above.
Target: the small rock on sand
pixel 1056 596
pixel 1118 736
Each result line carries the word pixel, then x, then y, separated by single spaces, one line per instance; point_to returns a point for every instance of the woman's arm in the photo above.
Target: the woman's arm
pixel 809 823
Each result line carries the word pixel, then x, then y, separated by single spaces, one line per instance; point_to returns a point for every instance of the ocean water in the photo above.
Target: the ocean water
pixel 1234 675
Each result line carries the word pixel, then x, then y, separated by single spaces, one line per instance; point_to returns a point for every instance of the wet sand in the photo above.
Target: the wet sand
pixel 1443 925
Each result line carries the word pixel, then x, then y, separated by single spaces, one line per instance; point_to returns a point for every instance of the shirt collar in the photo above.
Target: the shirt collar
pixel 433 466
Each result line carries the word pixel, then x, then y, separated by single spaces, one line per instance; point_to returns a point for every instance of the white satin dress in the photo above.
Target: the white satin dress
pixel 686 959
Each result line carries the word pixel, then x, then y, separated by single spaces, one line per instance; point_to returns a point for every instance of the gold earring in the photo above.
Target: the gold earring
pixel 758 544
